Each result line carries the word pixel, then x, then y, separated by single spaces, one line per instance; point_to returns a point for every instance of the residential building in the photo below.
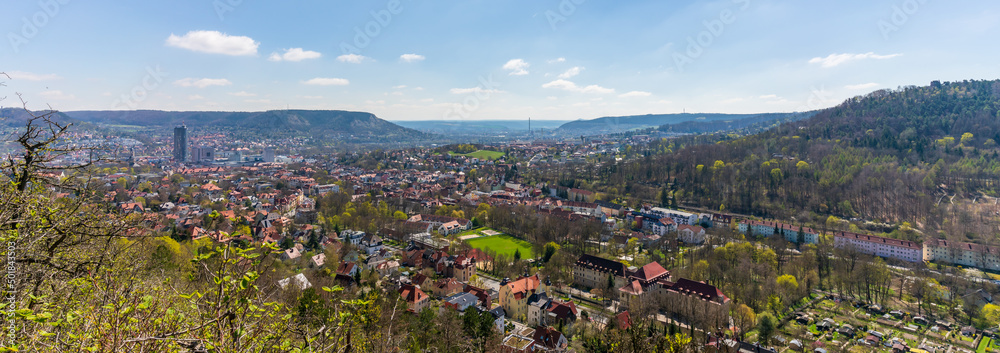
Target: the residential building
pixel 348 269
pixel 460 301
pixel 644 283
pixel 484 296
pixel 352 236
pixel 370 244
pixel 788 231
pixel 691 234
pixel 695 302
pixel 547 339
pixel 446 287
pixel 679 217
pixel 963 254
pixel 416 299
pixel 514 295
pixel 300 281
pixel 515 343
pixel 879 246
pixel 593 272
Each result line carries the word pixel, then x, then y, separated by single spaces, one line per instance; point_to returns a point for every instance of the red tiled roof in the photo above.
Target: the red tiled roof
pixel 701 289
pixel 651 272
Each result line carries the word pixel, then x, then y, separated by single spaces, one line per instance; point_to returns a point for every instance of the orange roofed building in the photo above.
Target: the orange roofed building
pixel 416 300
pixel 514 295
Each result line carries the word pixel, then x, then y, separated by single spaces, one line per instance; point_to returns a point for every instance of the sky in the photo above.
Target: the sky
pixel 476 60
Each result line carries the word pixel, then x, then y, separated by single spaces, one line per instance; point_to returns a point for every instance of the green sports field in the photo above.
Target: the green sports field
pixel 502 244
pixel 481 154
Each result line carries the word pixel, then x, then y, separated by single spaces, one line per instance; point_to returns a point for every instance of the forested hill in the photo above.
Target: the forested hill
pixel 886 156
pixel 359 124
pixel 16 117
pixel 619 124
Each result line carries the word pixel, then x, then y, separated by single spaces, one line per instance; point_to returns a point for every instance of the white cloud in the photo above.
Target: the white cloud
pixel 214 42
pixel 571 72
pixel 559 60
pixel 202 83
pixel 322 81
pixel 351 58
pixel 551 98
pixel 476 90
pixel 195 97
pixel 572 87
pixel 427 100
pixel 399 87
pixel 418 88
pixel 862 86
pixel 411 57
pixel 57 95
pixel 836 59
pixel 517 67
pixel 21 75
pixel 243 94
pixel 312 97
pixel 769 96
pixel 295 54
pixel 635 94
pixel 258 101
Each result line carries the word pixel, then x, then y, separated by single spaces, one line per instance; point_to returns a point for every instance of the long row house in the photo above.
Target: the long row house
pixel 932 250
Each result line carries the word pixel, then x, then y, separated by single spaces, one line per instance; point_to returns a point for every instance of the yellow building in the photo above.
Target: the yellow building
pixel 514 296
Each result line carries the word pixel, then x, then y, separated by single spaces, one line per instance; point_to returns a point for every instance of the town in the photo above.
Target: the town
pixel 458 231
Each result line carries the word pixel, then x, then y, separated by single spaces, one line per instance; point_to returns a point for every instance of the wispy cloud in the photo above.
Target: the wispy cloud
pixel 473 90
pixel 214 42
pixel 323 81
pixel 517 67
pixel 351 58
pixel 557 60
pixel 834 60
pixel 21 75
pixel 572 87
pixel 243 94
pixel 295 54
pixel 861 86
pixel 635 94
pixel 411 57
pixel 571 72
pixel 202 83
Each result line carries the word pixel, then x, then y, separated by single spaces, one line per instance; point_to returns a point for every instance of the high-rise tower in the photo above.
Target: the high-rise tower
pixel 180 143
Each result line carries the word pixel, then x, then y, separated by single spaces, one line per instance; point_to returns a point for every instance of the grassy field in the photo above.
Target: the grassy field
pixel 481 154
pixel 502 244
pixel 984 344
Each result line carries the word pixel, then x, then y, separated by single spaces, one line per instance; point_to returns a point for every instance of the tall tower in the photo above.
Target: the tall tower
pixel 180 143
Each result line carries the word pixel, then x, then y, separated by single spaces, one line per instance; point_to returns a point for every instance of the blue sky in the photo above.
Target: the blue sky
pixel 417 59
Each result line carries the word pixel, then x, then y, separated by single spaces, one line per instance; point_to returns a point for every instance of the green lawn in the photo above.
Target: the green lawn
pixel 983 344
pixel 481 154
pixel 502 244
